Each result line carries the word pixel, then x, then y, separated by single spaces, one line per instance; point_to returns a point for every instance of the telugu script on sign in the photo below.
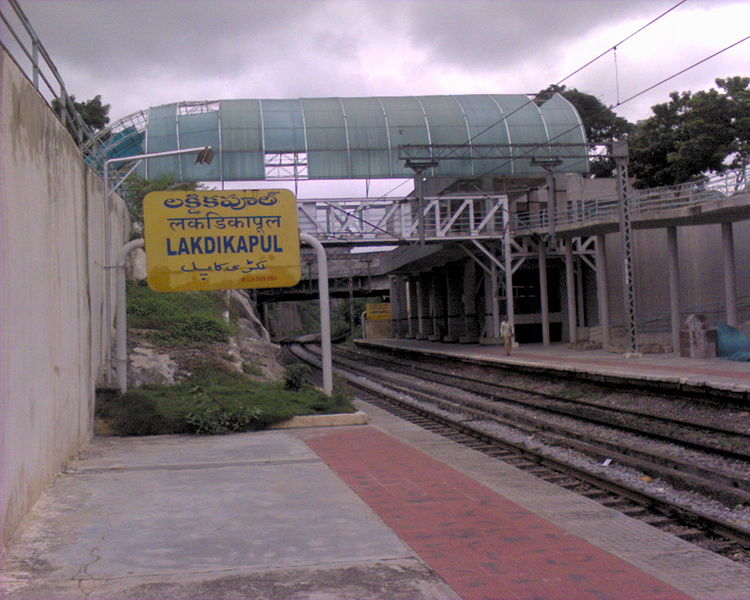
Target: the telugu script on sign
pixel 206 240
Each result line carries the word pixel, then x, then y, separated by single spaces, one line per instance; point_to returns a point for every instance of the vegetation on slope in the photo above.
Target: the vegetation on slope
pixel 212 401
pixel 177 318
pixel 214 398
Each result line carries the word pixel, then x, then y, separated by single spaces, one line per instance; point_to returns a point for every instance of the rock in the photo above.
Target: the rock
pixel 247 311
pixel 146 365
pixel 249 351
pixel 258 352
pixel 135 265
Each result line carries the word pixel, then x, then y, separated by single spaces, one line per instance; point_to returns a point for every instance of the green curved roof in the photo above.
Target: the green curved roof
pixel 355 138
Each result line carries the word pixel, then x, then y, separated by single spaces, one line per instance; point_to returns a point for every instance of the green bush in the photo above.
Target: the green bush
pixel 342 394
pixel 296 376
pixel 137 414
pixel 212 401
pixel 211 418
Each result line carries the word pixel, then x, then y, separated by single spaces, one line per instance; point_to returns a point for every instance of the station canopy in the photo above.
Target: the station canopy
pixel 359 138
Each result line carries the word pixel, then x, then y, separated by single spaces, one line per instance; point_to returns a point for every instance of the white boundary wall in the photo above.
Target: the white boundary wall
pixel 51 294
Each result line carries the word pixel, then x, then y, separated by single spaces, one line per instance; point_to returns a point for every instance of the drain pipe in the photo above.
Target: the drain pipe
pixel 325 312
pixel 121 311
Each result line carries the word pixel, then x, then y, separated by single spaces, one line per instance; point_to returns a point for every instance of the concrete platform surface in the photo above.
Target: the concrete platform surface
pixel 255 515
pixel 385 511
pixel 687 373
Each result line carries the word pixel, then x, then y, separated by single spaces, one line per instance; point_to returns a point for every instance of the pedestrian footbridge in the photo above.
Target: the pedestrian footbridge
pixel 484 216
pixel 505 143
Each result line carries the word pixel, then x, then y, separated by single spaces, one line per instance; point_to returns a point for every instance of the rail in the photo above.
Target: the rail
pixel 482 216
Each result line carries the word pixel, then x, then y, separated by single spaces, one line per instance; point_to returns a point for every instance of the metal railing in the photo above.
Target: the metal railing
pixel 644 202
pixel 483 216
pixel 395 221
pixel 28 52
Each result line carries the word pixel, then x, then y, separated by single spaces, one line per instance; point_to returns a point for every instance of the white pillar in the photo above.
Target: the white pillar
pixel 468 303
pixel 410 308
pixel 674 287
pixel 433 308
pixel 325 312
pixel 452 305
pixel 420 310
pixel 402 314
pixel 543 292
pixel 570 289
pixel 509 309
pixel 397 307
pixel 413 303
pixel 730 277
pixel 602 294
pixel 494 297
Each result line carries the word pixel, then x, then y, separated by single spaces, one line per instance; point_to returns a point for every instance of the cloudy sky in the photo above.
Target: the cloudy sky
pixel 141 53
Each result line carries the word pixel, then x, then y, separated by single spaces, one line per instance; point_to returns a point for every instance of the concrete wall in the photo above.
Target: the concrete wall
pixel 51 294
pixel 701 274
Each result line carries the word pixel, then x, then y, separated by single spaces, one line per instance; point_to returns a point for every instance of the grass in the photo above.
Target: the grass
pixel 214 401
pixel 178 318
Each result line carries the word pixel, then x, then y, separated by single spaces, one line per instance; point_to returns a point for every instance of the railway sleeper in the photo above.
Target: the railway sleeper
pixel 594 412
pixel 680 479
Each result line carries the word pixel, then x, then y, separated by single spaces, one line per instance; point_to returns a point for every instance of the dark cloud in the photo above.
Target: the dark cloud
pixel 481 34
pixel 141 53
pixel 180 35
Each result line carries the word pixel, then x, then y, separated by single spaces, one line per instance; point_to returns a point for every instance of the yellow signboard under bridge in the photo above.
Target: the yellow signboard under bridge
pixel 217 240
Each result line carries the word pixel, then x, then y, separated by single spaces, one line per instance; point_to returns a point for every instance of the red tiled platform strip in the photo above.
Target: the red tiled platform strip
pixel 484 546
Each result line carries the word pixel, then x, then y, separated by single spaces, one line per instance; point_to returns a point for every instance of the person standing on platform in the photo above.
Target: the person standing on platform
pixel 506 332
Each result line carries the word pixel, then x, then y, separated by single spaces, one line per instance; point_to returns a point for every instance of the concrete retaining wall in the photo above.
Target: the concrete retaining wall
pixel 51 294
pixel 701 273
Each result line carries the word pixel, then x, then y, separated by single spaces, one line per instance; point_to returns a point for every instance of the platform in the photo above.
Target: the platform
pixel 715 376
pixel 381 511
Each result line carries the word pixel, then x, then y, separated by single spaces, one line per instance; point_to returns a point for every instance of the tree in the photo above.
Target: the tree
pixel 737 90
pixel 655 141
pixel 693 134
pixel 601 123
pixel 136 188
pixel 93 112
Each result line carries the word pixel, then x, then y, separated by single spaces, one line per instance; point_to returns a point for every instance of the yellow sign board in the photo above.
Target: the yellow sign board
pixel 218 240
pixel 379 311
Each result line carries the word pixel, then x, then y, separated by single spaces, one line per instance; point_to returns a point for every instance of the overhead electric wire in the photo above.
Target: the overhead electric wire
pixel 559 82
pixel 506 116
pixel 541 145
pixel 737 43
pixel 622 41
pixel 578 70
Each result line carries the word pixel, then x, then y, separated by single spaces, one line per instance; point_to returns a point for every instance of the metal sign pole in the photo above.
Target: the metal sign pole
pixel 205 155
pixel 419 166
pixel 121 312
pixel 325 312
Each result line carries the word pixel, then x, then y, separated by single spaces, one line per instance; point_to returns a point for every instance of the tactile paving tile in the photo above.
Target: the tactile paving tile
pixel 482 544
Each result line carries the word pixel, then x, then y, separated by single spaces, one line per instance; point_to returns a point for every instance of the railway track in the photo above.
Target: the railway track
pixel 470 412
